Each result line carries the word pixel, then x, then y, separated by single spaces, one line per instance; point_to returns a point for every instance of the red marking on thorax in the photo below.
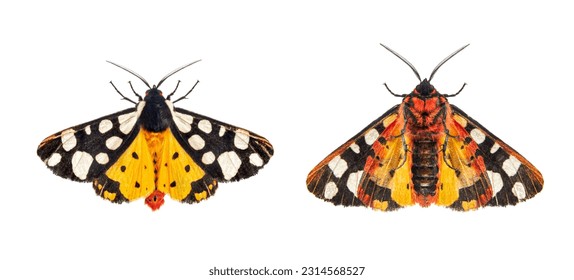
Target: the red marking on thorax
pixel 424 120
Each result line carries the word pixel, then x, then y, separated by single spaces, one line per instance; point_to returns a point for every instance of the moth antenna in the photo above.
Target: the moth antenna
pixel 445 60
pixel 175 71
pixel 131 72
pixel 405 61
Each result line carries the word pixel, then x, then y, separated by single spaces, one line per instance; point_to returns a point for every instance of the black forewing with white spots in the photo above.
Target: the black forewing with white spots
pixel 224 151
pixel 83 152
pixel 338 177
pixel 512 177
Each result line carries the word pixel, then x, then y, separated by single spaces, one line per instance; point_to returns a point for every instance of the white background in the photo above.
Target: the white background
pixel 307 75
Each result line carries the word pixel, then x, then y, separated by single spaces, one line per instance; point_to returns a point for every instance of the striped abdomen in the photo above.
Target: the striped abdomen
pixel 425 167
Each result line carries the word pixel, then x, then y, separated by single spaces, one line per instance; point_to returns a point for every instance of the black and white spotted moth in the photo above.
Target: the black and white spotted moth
pixel 155 149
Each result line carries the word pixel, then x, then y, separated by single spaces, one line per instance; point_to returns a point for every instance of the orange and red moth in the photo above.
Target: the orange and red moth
pixel 155 149
pixel 425 151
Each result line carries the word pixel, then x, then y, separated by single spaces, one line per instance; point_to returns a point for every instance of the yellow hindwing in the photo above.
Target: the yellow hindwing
pixel 176 169
pixel 155 161
pixel 458 166
pixel 134 170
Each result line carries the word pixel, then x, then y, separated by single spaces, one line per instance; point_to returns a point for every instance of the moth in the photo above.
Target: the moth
pixel 425 151
pixel 154 149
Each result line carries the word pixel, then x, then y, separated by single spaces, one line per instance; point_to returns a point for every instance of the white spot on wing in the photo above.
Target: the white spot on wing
pixel 113 142
pixel 183 122
pixel 519 191
pixel 355 148
pixel 330 190
pixel 477 135
pixel 511 165
pixel 196 142
pixel 241 140
pixel 88 130
pixel 81 162
pixel 105 126
pixel 127 122
pixel 371 136
pixel 208 158
pixel 494 148
pixel 54 159
pixel 69 140
pixel 169 105
pixel 495 181
pixel 338 166
pixel 204 125
pixel 141 105
pixel 354 180
pixel 221 131
pixel 229 163
pixel 255 159
pixel 102 158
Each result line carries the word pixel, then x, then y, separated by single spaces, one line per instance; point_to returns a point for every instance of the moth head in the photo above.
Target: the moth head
pixel 153 93
pixel 425 89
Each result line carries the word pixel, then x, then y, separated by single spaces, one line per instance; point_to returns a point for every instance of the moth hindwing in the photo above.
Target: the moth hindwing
pixel 425 151
pixel 155 149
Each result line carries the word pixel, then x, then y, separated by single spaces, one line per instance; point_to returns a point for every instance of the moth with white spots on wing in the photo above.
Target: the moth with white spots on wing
pixel 155 149
pixel 425 151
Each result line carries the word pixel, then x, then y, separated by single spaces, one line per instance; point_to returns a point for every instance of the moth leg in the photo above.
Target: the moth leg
pixel 444 157
pixel 176 86
pixel 134 91
pixel 185 96
pixel 123 97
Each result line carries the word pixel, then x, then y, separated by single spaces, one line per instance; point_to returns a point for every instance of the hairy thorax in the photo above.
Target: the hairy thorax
pixel 424 117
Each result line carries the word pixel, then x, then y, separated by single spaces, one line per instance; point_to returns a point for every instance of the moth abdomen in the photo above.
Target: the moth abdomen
pixel 425 167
